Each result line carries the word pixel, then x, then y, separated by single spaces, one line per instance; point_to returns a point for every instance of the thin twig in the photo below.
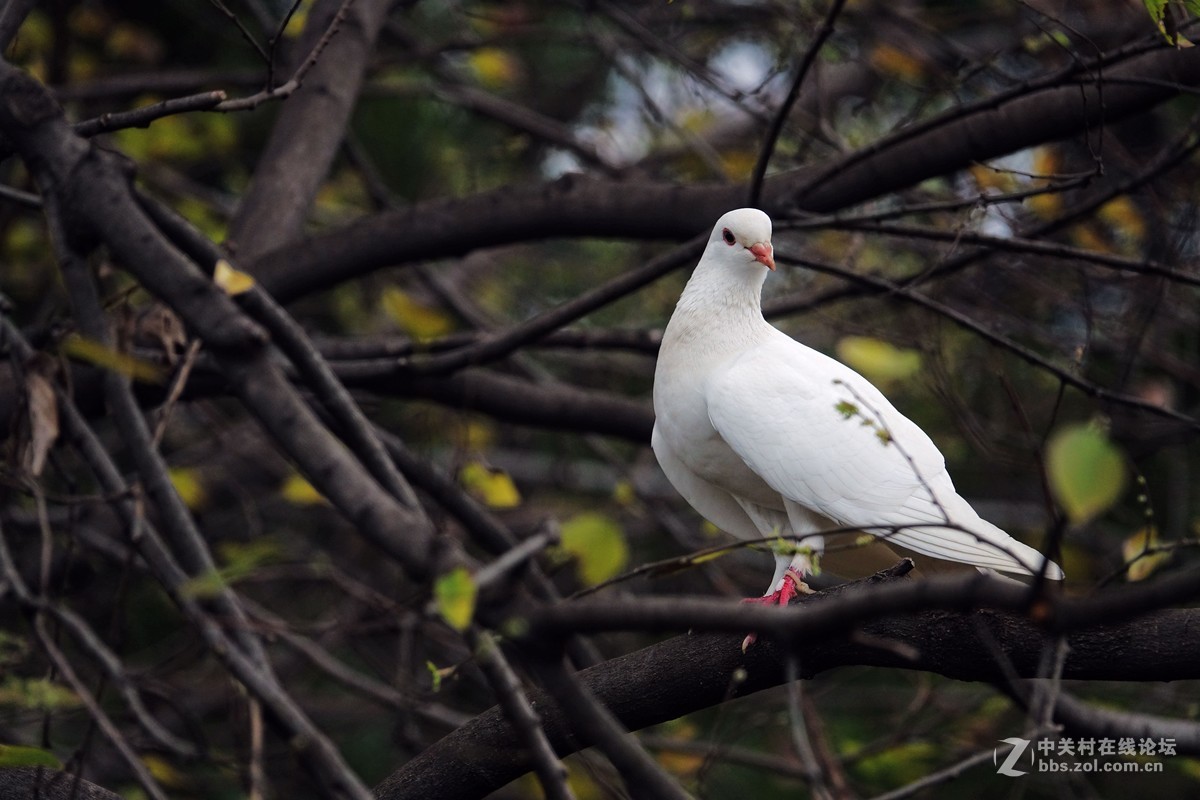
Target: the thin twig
pixel 644 778
pixel 1016 244
pixel 246 34
pixel 142 117
pixel 525 720
pixel 959 318
pixel 16 584
pixel 178 384
pixel 951 772
pixel 285 90
pixel 257 772
pixel 781 115
pixel 273 42
pixel 499 345
pixel 799 731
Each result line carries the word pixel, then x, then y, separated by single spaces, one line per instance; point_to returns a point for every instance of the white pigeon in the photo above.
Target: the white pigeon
pixel 767 438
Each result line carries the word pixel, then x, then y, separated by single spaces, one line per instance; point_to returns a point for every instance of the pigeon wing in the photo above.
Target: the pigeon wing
pixel 822 436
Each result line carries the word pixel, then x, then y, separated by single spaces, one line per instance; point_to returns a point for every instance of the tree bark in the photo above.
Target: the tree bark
pixel 692 672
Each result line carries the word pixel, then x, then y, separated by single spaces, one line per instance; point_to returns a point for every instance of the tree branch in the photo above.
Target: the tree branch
pixel 581 206
pixel 696 671
pixel 308 132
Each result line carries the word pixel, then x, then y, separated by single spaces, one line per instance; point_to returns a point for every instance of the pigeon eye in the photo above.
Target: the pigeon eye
pixel 729 238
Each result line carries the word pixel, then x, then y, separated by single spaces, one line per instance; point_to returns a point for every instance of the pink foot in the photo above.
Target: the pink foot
pixel 793 584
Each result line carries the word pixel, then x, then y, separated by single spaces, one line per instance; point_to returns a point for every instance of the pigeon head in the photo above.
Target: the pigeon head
pixel 743 236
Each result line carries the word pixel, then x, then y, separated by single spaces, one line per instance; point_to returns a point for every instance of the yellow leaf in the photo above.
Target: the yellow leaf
pixel 416 319
pixel 704 558
pixel 1136 549
pixel 454 593
pixel 495 68
pixel 189 486
pixel 165 772
pixel 231 281
pixel 91 351
pixel 1046 163
pixel 892 61
pixel 298 491
pixel 598 546
pixel 879 361
pixel 299 19
pixel 738 165
pixel 683 764
pixel 494 487
pixel 129 42
pixel 989 178
pixel 476 435
pixel 1085 470
pixel 625 494
pixel 1085 237
pixel 1125 218
pixel 583 785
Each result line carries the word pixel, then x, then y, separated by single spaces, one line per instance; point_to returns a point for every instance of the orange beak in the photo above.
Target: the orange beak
pixel 764 254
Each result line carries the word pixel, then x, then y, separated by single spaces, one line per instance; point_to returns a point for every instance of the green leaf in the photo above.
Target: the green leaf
pixel 898 765
pixel 880 361
pixel 454 593
pixel 438 674
pixel 238 560
pixel 1086 471
pixel 204 586
pixel 598 546
pixel 37 693
pixel 1167 24
pixel 14 755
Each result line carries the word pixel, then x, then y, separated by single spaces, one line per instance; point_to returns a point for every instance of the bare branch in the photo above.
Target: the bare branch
pixel 785 108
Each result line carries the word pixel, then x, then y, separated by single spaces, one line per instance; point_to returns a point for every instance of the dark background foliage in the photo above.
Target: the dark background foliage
pixel 251 527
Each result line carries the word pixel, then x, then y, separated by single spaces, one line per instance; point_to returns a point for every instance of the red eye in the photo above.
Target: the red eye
pixel 729 238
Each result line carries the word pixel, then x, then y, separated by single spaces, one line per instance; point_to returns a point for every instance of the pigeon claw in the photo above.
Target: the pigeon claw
pixel 793 584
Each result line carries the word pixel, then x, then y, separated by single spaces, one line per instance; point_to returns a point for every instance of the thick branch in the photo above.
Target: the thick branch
pixel 99 202
pixel 578 206
pixel 692 672
pixel 560 407
pixel 309 131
